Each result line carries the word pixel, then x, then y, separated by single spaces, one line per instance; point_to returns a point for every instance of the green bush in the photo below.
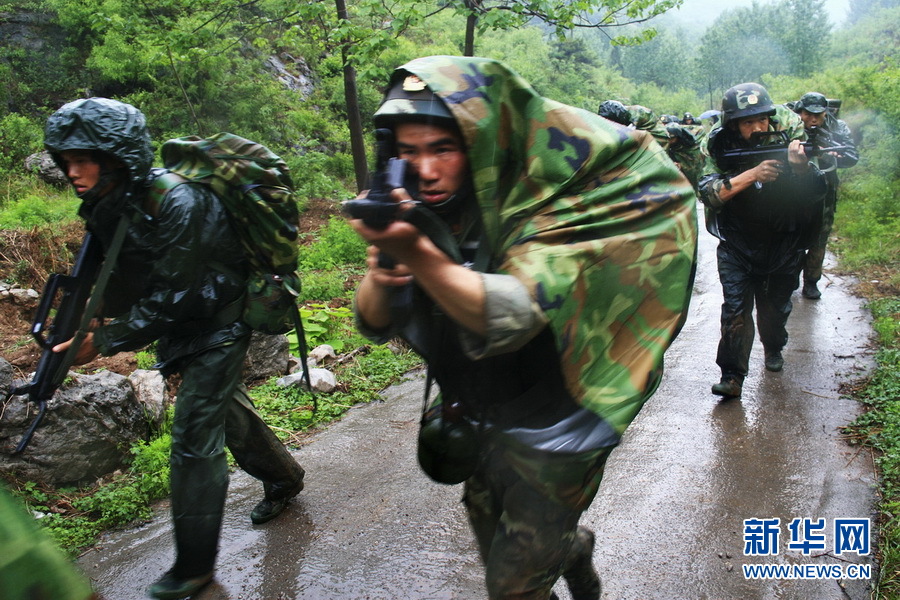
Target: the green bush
pixel 19 137
pixel 336 244
pixel 36 209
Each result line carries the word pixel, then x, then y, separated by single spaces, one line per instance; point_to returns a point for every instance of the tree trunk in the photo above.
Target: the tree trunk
pixel 471 21
pixel 351 99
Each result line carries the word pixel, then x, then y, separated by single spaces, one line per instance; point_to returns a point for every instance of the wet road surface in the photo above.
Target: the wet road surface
pixel 669 516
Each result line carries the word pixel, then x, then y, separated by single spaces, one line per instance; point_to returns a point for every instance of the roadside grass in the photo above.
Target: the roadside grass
pixel 868 244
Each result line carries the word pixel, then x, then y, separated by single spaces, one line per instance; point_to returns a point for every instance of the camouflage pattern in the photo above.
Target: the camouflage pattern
pixel 813 102
pixel 591 217
pixel 528 538
pixel 645 119
pixel 684 150
pixel 745 100
pixel 782 119
pixel 254 185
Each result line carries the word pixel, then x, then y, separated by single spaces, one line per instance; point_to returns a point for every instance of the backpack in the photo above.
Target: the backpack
pixel 256 189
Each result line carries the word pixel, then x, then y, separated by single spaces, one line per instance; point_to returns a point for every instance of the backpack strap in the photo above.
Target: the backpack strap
pixel 159 188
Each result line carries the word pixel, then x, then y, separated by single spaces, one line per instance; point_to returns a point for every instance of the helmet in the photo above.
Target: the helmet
pixel 687 117
pixel 813 102
pixel 614 111
pixel 101 125
pixel 682 136
pixel 746 100
pixel 409 99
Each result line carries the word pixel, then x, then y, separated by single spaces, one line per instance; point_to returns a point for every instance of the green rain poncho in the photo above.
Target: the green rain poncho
pixel 593 218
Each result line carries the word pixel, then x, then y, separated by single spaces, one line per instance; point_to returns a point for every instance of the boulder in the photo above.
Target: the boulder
pixel 268 356
pixel 150 391
pixel 44 167
pixel 87 431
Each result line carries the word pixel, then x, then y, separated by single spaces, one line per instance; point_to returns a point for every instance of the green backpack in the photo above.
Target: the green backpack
pixel 256 189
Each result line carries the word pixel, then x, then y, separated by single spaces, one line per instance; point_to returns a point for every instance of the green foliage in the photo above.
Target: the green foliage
pixel 290 409
pixel 336 244
pixel 19 137
pixel 34 210
pixel 323 324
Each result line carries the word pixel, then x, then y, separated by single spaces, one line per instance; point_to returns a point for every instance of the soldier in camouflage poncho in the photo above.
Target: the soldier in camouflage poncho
pixel 573 243
pixel 764 215
pixel 180 280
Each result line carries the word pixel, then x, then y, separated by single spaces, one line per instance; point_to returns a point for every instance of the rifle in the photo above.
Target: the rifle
pixel 771 145
pixel 377 210
pixel 53 366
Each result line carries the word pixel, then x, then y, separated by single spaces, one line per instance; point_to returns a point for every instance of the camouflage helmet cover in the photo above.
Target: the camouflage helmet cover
pixel 409 99
pixel 812 102
pixel 614 111
pixel 102 125
pixel 746 100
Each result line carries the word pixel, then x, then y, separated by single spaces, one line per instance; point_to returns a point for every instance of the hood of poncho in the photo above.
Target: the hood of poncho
pixel 592 217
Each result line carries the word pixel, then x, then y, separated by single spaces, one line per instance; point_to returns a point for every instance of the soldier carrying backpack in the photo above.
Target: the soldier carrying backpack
pixel 180 277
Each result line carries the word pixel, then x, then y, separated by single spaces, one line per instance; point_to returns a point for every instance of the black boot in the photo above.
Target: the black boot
pixel 580 575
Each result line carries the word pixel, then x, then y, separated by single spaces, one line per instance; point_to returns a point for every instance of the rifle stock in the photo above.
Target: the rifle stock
pixel 73 291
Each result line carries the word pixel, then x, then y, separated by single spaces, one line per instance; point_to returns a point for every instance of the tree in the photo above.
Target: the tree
pixel 664 61
pixel 738 47
pixel 803 32
pixel 559 15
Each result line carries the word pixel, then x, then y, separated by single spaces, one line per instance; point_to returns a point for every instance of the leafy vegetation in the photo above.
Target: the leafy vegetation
pixel 201 66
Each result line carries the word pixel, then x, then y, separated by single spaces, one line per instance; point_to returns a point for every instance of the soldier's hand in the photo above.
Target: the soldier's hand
pixel 86 352
pixel 767 171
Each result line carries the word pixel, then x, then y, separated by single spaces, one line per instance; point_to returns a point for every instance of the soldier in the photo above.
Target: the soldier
pixel 181 277
pixel 684 150
pixel 763 216
pixel 813 109
pixel 541 298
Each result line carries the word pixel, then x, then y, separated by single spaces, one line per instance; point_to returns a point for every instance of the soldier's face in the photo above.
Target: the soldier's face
pixel 437 155
pixel 750 125
pixel 812 119
pixel 81 169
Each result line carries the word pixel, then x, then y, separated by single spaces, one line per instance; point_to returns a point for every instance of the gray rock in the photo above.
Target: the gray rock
pixel 322 380
pixel 268 356
pixel 86 432
pixel 45 168
pixel 150 390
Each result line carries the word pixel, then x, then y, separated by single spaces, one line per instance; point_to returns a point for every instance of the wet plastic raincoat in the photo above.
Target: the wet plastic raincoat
pixel 179 279
pixel 179 271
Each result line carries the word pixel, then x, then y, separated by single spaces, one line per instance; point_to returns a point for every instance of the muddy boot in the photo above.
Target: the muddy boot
pixel 580 575
pixel 729 387
pixel 774 361
pixel 273 504
pixel 171 586
pixel 811 290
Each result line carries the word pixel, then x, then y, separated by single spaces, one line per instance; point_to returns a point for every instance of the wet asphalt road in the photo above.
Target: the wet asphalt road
pixel 669 516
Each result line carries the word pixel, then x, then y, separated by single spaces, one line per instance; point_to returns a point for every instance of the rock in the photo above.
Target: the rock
pixel 6 377
pixel 322 380
pixel 293 73
pixel 268 356
pixel 44 166
pixel 321 355
pixel 86 432
pixel 150 390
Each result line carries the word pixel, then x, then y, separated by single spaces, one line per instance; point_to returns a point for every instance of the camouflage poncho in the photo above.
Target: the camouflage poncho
pixel 592 217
